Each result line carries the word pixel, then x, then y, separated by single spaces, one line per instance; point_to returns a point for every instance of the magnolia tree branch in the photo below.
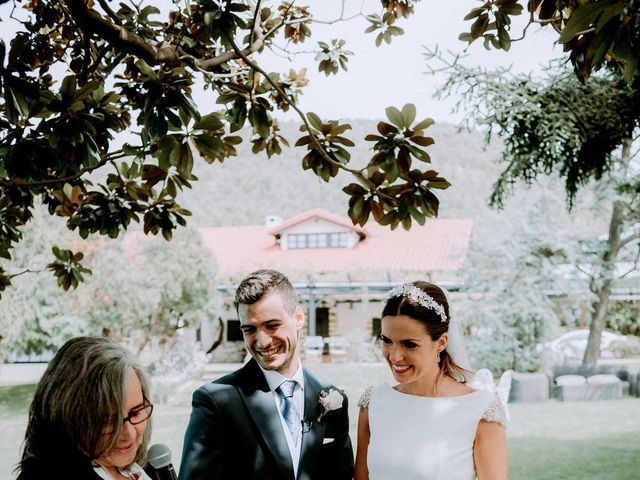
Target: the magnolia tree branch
pixel 105 6
pixel 151 52
pixel 54 181
pixel 292 104
pixel 341 18
pixel 356 173
pixel 26 270
pixel 116 155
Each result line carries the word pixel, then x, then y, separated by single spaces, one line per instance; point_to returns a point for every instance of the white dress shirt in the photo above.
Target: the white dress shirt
pixel 134 472
pixel 274 380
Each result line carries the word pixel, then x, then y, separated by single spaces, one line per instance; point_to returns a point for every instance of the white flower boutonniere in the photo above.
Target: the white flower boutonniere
pixel 330 400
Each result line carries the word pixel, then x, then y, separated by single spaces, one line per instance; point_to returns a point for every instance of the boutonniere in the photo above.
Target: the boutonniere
pixel 330 400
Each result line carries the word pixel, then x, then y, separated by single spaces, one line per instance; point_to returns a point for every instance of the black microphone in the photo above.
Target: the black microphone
pixel 160 460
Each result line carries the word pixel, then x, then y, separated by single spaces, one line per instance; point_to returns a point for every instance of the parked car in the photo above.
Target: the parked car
pixel 571 345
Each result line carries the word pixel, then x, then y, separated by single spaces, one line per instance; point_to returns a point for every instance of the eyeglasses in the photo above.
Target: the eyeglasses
pixel 139 415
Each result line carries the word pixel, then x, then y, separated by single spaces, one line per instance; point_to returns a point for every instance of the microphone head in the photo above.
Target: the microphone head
pixel 159 456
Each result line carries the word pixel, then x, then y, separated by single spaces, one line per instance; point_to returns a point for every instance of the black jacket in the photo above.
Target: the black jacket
pixel 235 432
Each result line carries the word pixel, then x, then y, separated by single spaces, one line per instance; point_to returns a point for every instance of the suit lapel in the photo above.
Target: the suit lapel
pixel 261 407
pixel 313 435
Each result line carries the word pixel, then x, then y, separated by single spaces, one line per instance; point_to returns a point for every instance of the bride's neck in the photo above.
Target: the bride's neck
pixel 426 386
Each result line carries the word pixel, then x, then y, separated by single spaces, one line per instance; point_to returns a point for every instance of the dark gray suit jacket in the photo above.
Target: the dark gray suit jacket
pixel 235 433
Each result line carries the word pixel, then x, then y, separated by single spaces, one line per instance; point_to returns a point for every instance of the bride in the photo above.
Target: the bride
pixel 431 425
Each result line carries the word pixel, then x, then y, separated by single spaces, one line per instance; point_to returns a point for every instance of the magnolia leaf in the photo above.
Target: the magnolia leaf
pixel 314 120
pixel 68 87
pixel 408 114
pixel 394 115
pixel 426 123
pixel 209 122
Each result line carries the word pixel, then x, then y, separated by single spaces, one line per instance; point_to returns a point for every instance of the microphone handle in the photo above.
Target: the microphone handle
pixel 164 473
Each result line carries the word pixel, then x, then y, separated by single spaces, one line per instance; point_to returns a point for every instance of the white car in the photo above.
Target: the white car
pixel 571 345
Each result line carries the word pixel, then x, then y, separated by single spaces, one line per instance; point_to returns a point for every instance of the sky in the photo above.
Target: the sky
pixel 395 74
pixel 390 74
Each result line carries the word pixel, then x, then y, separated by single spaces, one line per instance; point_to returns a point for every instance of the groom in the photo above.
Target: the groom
pixel 266 420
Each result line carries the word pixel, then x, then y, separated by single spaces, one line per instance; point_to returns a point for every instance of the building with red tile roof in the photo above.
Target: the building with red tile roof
pixel 436 250
pixel 340 271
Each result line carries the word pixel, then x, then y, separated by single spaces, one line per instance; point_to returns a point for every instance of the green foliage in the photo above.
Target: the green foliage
pixel 34 317
pixel 512 313
pixel 385 27
pixel 549 126
pixel 384 23
pixel 624 317
pixel 141 288
pixel 581 132
pixel 560 127
pixel 329 136
pixel 148 287
pixel 176 370
pixel 401 193
pixel 516 270
pixel 494 354
pixel 67 268
pixel 130 70
pixel 332 57
pixel 493 16
pixel 595 32
pixel 626 349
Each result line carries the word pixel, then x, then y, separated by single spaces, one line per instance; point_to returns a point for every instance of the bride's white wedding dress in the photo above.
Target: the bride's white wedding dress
pixel 425 438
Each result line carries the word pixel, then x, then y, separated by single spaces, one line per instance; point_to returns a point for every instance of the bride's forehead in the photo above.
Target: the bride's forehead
pixel 400 323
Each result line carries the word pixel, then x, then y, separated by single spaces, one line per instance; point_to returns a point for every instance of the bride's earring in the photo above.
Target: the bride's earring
pixel 438 357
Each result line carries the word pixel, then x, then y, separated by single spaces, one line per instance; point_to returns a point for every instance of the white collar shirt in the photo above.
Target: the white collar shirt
pixel 133 472
pixel 274 380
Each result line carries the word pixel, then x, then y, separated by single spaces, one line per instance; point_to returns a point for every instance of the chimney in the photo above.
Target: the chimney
pixel 272 220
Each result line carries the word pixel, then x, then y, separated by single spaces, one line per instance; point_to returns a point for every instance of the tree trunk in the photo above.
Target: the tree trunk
pixel 602 286
pixel 592 352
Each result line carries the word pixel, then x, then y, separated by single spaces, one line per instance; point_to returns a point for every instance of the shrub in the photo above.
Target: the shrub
pixel 626 348
pixel 176 368
pixel 501 354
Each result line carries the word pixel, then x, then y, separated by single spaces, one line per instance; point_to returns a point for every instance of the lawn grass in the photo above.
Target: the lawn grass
pixel 597 440
pixel 14 406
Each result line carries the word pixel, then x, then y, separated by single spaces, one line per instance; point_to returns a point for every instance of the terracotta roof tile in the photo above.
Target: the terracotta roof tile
pixel 438 246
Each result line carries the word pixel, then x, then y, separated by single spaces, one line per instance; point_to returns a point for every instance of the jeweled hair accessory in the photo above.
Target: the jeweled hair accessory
pixel 421 298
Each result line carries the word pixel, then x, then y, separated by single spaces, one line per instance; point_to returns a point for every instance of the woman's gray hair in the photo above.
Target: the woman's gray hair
pixel 80 396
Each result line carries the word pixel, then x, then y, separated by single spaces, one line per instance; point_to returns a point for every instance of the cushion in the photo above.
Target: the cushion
pixel 602 379
pixel 566 380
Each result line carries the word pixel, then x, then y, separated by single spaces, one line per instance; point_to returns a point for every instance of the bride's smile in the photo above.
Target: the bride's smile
pixel 400 369
pixel 410 352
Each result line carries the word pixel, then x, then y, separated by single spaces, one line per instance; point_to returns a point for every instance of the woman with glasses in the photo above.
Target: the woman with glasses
pixel 89 418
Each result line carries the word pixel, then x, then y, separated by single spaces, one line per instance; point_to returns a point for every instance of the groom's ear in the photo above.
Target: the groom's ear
pixel 298 316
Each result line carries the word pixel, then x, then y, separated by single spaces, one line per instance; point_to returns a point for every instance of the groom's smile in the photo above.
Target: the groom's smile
pixel 268 353
pixel 271 333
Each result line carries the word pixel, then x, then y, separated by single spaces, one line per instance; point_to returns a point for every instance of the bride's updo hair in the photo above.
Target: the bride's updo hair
pixel 404 301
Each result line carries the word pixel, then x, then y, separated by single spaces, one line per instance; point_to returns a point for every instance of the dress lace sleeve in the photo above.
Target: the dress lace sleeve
pixel 364 399
pixel 496 412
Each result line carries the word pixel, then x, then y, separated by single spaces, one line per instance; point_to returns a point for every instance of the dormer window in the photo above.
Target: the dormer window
pixel 317 240
pixel 316 229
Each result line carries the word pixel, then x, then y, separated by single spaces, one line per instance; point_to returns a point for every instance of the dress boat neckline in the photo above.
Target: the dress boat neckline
pixel 421 396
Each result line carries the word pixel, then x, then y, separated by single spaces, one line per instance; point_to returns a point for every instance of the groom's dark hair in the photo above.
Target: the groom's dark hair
pixel 260 283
